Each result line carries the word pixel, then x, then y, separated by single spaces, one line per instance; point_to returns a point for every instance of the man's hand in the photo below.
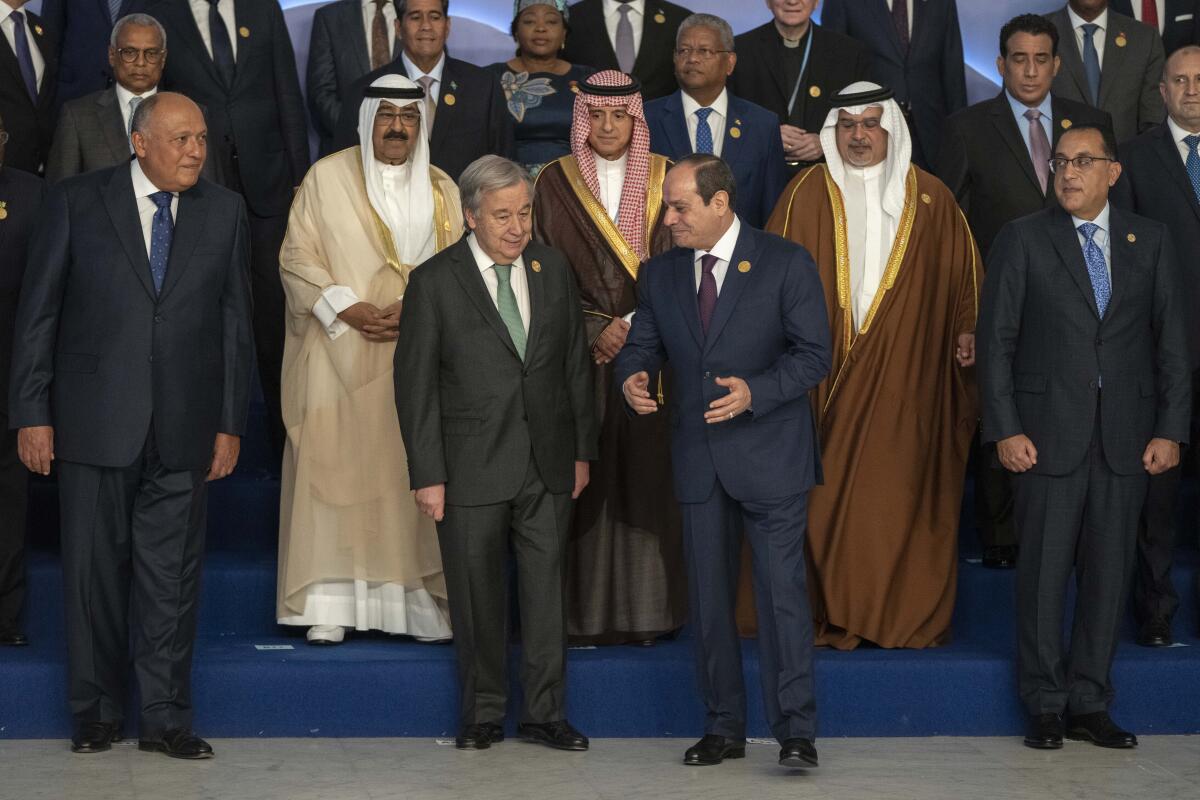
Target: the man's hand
pixel 1160 456
pixel 583 471
pixel 386 327
pixel 365 318
pixel 225 456
pixel 732 404
pixel 799 144
pixel 35 447
pixel 610 341
pixel 637 393
pixel 432 501
pixel 964 352
pixel 1017 453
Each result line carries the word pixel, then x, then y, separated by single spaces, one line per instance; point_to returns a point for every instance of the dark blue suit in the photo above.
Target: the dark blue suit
pixel 769 328
pixel 755 154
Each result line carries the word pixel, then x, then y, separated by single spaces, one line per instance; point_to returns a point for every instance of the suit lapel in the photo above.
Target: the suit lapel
pixel 732 150
pixel 112 125
pixel 883 18
pixel 466 271
pixel 49 59
pixel 1006 126
pixel 1115 61
pixel 654 39
pixel 676 126
pixel 1066 242
pixel 123 211
pixel 1123 259
pixel 537 302
pixel 1168 153
pixel 354 28
pixel 190 219
pixel 444 117
pixel 8 59
pixel 244 19
pixel 733 285
pixel 186 28
pixel 1072 59
pixel 684 273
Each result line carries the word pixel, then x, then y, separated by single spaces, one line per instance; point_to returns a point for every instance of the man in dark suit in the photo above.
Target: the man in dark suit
pixel 1111 62
pixel 636 37
pixel 494 395
pixel 83 28
pixel 21 196
pixel 703 117
pixel 29 66
pixel 235 59
pixel 1160 179
pixel 1085 387
pixel 791 66
pixel 740 315
pixel 131 376
pixel 349 39
pixel 1177 21
pixel 468 108
pixel 916 49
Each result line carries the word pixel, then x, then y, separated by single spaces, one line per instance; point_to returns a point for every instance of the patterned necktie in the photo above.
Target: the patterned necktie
pixel 1091 60
pixel 134 102
pixel 1096 266
pixel 160 238
pixel 1150 13
pixel 114 9
pixel 1193 163
pixel 704 137
pixel 506 304
pixel 426 82
pixel 222 47
pixel 1039 147
pixel 24 57
pixel 624 44
pixel 706 298
pixel 380 54
pixel 900 20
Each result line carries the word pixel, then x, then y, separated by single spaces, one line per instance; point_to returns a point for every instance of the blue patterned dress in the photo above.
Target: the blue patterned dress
pixel 542 105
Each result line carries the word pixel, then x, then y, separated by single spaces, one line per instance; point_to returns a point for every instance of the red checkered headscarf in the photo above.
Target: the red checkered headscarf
pixel 631 218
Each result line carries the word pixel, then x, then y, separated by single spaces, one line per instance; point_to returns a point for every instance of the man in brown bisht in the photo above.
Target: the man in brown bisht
pixel 602 207
pixel 896 414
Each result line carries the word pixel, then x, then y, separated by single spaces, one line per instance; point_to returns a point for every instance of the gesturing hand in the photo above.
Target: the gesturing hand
pixel 432 501
pixel 1017 453
pixel 610 341
pixel 35 448
pixel 726 408
pixel 637 393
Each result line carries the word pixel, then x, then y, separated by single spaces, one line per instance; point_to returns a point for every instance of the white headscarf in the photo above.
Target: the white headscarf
pixel 401 195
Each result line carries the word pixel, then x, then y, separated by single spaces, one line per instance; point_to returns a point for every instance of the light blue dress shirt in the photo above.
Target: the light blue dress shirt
pixel 1047 119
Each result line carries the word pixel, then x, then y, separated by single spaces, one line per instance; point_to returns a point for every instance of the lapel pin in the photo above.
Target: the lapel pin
pixel 244 32
pixel 1131 238
pixel 926 199
pixel 536 265
pixel 454 86
pixel 3 210
pixel 38 30
pixel 660 17
pixel 449 99
pixel 744 266
pixel 1121 41
pixel 1066 123
pixel 814 91
pixel 735 132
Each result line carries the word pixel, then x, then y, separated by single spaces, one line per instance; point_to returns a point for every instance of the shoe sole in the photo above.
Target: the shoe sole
pixel 547 743
pixel 730 754
pixel 1080 736
pixel 323 643
pixel 797 762
pixel 1042 745
pixel 156 747
pixel 475 746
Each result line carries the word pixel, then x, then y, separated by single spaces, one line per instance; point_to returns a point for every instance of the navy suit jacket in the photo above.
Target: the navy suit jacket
pixel 1182 21
pixel 83 28
pixel 755 153
pixel 769 328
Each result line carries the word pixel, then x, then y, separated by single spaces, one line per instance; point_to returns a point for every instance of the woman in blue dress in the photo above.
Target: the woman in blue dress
pixel 538 85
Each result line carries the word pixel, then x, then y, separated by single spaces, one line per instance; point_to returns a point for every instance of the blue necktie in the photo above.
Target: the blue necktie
pixel 24 57
pixel 222 48
pixel 1096 266
pixel 1193 162
pixel 704 139
pixel 160 238
pixel 114 9
pixel 1091 61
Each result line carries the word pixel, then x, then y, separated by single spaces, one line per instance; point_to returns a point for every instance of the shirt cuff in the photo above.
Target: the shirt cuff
pixel 629 317
pixel 333 301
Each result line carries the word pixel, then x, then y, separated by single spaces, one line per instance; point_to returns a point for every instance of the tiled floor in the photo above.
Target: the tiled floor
pixel 1163 768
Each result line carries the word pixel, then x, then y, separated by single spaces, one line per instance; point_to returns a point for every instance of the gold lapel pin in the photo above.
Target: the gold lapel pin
pixel 1066 124
pixel 38 30
pixel 735 132
pixel 3 210
pixel 536 265
pixel 660 17
pixel 744 266
pixel 244 32
pixel 449 99
pixel 926 199
pixel 814 91
pixel 1121 41
pixel 1131 238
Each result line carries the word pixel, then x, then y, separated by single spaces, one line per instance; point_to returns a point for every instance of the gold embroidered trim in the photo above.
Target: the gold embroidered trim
pixel 974 248
pixel 787 218
pixel 599 217
pixel 654 186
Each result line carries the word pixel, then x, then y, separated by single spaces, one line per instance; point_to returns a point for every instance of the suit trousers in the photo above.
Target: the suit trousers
pixel 993 498
pixel 266 238
pixel 1085 521
pixel 474 542
pixel 775 529
pixel 1154 596
pixel 138 528
pixel 14 482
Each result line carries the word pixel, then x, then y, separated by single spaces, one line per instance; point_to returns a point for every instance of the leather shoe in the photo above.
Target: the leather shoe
pixel 713 749
pixel 473 737
pixel 1155 632
pixel 1045 732
pixel 1000 557
pixel 798 754
pixel 1099 729
pixel 559 735
pixel 495 732
pixel 14 639
pixel 177 743
pixel 95 737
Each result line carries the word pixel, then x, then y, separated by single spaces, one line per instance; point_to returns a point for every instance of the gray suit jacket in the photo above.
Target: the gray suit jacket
pixel 1129 73
pixel 91 135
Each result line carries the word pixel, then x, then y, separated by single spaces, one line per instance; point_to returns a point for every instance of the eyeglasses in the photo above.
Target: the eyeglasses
pixel 130 54
pixel 408 119
pixel 702 53
pixel 870 123
pixel 1082 163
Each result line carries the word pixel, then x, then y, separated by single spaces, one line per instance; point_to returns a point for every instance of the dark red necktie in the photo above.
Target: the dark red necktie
pixel 1150 13
pixel 707 296
pixel 900 20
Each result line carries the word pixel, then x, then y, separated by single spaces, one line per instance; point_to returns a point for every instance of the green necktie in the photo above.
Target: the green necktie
pixel 506 303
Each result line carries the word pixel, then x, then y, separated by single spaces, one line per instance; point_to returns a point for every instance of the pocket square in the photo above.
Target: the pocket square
pixel 1183 17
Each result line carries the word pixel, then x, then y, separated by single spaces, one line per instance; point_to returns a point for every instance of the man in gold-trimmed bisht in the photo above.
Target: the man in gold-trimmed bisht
pixel 354 551
pixel 895 416
pixel 602 207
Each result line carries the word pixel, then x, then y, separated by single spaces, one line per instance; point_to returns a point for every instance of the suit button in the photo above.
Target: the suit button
pixel 707 375
pixel 1091 384
pixel 158 317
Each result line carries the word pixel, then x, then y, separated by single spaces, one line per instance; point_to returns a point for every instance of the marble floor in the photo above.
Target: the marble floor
pixel 1163 768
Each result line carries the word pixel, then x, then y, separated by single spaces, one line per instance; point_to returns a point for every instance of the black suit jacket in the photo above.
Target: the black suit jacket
pixel 588 43
pixel 986 164
pixel 83 28
pixel 99 354
pixel 929 78
pixel 30 125
pixel 1155 184
pixel 260 119
pixel 1043 349
pixel 472 117
pixel 21 196
pixel 470 410
pixel 1182 24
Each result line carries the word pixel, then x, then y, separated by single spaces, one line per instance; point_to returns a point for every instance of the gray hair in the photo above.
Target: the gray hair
pixel 724 32
pixel 140 120
pixel 137 19
pixel 486 174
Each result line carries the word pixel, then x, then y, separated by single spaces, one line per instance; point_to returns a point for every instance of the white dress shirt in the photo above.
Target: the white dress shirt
pixel 637 17
pixel 611 177
pixel 142 189
pixel 892 4
pixel 1162 12
pixel 389 17
pixel 517 279
pixel 1178 134
pixel 1077 23
pixel 723 250
pixel 415 74
pixel 9 26
pixel 1100 237
pixel 716 120
pixel 871 235
pixel 123 98
pixel 225 9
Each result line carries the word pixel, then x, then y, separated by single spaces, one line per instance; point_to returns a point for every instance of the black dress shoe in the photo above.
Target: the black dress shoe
pixel 713 749
pixel 14 639
pixel 1045 732
pixel 473 737
pixel 798 754
pixel 1000 557
pixel 177 743
pixel 495 732
pixel 559 735
pixel 1099 729
pixel 95 737
pixel 1155 633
